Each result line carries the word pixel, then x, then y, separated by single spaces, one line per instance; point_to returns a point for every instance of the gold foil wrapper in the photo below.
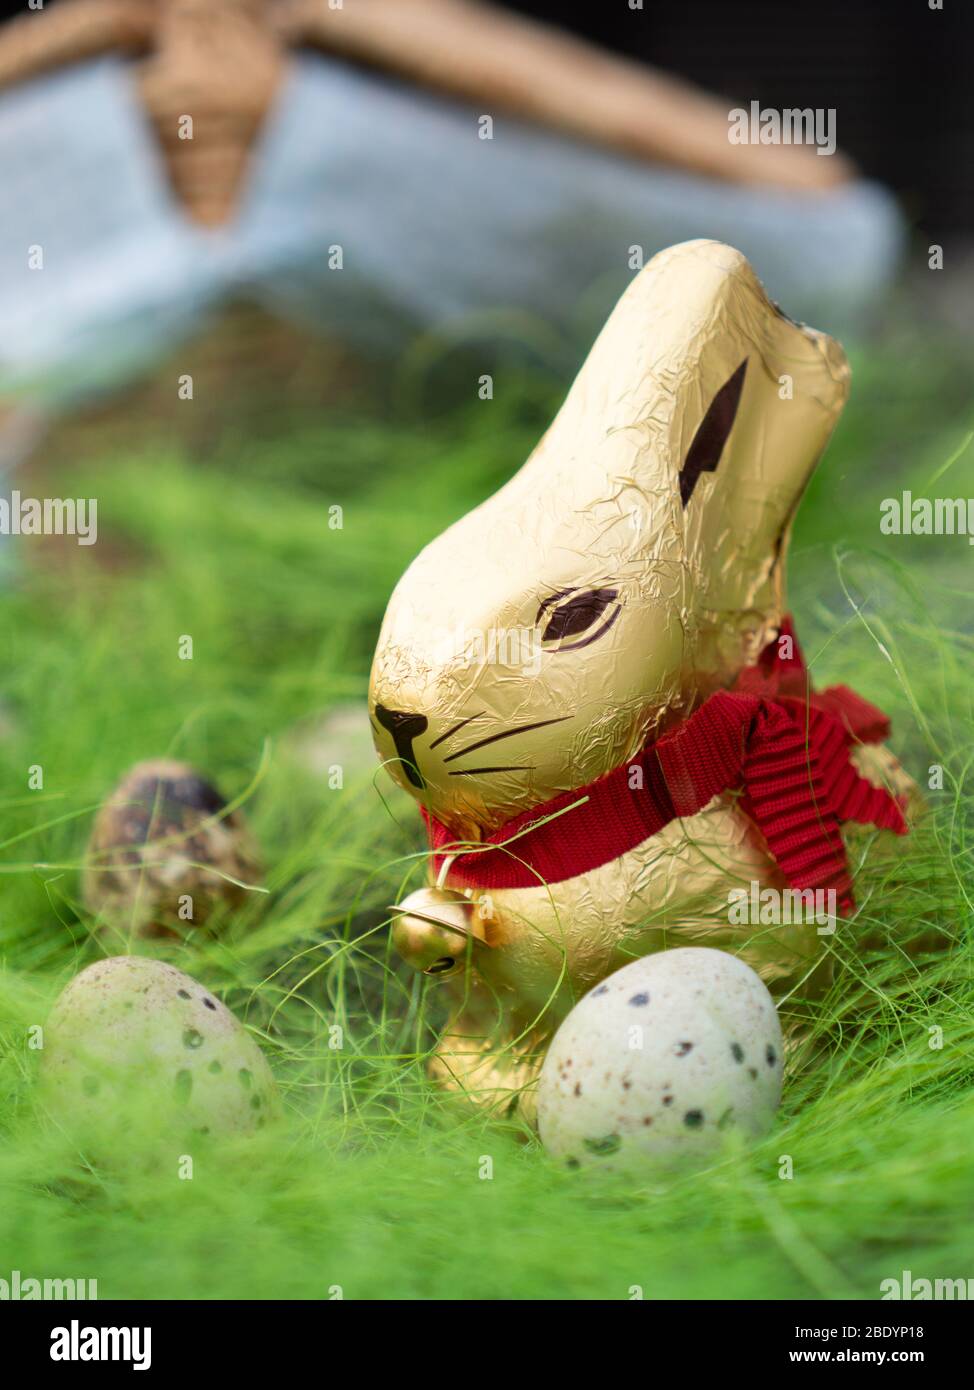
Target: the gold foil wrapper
pixel 633 565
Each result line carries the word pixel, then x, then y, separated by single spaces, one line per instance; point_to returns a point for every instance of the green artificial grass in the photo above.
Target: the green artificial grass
pixel 373 1182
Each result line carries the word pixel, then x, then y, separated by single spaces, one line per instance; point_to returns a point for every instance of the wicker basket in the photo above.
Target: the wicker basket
pixel 208 72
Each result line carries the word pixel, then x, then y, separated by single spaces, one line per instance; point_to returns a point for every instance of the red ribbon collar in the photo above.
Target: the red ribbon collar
pixel 770 737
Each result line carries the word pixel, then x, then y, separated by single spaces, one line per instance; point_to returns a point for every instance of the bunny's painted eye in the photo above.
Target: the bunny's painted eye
pixel 582 613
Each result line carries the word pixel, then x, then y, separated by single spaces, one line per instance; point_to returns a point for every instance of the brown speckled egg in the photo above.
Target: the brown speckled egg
pixel 132 1040
pixel 664 1059
pixel 163 853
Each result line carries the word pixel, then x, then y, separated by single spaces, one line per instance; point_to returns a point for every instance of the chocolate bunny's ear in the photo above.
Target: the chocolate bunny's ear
pixel 704 397
pixel 772 391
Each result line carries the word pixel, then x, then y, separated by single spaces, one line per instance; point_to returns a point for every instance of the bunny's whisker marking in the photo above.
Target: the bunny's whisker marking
pixel 473 771
pixel 507 733
pixel 455 730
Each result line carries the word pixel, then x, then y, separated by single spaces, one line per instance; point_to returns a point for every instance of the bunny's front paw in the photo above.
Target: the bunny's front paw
pixel 490 1062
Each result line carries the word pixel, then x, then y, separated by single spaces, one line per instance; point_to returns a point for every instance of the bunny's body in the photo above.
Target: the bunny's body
pixel 630 570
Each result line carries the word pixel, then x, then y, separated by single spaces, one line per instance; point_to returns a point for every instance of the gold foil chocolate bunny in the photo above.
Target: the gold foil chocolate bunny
pixel 591 686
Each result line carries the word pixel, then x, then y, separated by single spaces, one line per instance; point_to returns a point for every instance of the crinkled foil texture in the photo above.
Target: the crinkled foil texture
pixel 621 576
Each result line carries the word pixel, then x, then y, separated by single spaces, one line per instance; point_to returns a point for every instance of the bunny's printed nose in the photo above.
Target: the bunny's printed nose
pixel 404 727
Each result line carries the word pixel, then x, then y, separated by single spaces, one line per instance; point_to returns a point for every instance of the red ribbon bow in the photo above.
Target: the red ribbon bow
pixel 785 747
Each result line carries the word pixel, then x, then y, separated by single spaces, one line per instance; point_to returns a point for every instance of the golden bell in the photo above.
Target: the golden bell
pixel 432 928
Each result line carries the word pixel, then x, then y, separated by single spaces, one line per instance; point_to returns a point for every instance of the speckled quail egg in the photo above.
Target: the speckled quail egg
pixel 661 1061
pixel 132 1038
pixel 164 854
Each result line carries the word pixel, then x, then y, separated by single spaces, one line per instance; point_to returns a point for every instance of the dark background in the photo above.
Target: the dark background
pixel 899 75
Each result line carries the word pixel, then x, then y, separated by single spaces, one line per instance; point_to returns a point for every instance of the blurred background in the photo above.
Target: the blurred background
pixel 299 207
pixel 255 261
